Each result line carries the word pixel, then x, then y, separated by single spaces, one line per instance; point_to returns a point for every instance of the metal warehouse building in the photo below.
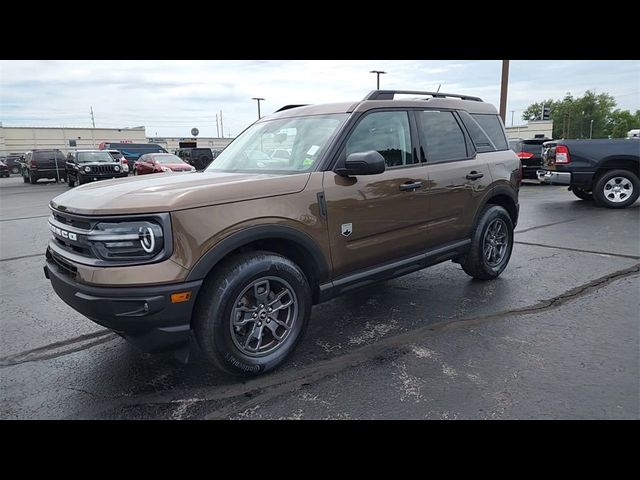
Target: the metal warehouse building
pixel 17 140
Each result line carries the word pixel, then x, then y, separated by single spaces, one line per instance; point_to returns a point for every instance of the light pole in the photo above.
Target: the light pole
pixel 258 99
pixel 512 112
pixel 591 129
pixel 378 73
pixel 503 90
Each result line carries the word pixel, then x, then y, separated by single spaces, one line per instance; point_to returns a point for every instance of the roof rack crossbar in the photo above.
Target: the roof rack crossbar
pixel 390 94
pixel 287 107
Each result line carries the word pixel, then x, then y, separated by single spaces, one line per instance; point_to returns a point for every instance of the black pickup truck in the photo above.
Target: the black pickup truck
pixel 605 171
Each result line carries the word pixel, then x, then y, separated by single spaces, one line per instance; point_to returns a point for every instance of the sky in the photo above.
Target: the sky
pixel 171 97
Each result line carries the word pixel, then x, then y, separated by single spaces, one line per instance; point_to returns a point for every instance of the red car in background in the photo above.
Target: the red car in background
pixel 159 163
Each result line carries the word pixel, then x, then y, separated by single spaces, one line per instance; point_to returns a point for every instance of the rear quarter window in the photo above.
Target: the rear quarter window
pixel 492 127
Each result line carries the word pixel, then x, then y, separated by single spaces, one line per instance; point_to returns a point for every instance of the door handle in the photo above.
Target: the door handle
pixel 410 186
pixel 473 175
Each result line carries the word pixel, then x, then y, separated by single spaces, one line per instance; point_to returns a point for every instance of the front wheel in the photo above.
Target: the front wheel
pixel 15 169
pixel 616 189
pixel 491 244
pixel 252 312
pixel 582 194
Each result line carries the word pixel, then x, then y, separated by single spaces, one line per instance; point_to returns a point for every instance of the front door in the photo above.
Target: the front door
pixel 373 219
pixel 457 176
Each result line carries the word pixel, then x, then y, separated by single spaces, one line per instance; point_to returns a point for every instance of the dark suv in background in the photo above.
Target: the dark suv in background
pixel 199 158
pixel 530 153
pixel 45 163
pixel 84 166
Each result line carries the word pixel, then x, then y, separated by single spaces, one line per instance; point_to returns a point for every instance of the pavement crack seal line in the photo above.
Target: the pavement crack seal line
pixel 21 257
pixel 262 389
pixel 545 225
pixel 621 255
pixel 24 218
pixel 59 349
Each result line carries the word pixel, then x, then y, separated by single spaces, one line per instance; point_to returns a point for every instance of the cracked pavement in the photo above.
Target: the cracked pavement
pixel 556 336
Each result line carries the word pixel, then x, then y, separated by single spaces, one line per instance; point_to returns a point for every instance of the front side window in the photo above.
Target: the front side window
pixel 388 134
pixel 307 138
pixel 443 137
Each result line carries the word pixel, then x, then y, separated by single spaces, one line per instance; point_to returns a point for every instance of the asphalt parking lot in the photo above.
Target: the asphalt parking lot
pixel 556 336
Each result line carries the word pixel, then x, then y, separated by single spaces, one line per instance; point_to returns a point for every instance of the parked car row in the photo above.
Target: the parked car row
pixel 82 166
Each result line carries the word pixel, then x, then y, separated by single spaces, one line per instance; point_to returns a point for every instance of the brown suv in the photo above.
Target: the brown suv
pixel 239 253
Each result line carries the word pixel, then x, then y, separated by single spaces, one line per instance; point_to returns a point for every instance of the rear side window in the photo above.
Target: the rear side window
pixel 492 127
pixel 388 134
pixel 443 137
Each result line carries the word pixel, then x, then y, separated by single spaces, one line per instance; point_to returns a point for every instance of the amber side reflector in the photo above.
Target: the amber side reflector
pixel 180 297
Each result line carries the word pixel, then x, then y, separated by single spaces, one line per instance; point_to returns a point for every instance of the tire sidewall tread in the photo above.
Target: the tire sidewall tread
pixel 215 301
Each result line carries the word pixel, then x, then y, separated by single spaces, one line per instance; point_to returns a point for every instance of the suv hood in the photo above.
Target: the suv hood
pixel 169 192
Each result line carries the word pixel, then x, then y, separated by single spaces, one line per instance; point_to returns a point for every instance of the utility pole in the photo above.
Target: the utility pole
pixel 503 90
pixel 221 127
pixel 258 99
pixel 217 127
pixel 512 112
pixel 378 73
pixel 93 122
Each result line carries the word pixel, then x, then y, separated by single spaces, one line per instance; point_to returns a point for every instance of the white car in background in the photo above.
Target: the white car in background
pixel 118 156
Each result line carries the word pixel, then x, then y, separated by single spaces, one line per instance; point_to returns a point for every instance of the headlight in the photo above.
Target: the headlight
pixel 116 168
pixel 165 169
pixel 135 240
pixel 87 169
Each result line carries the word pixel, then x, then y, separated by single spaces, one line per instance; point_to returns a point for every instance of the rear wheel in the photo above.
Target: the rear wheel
pixel 252 312
pixel 582 194
pixel 491 244
pixel 616 189
pixel 15 169
pixel 32 178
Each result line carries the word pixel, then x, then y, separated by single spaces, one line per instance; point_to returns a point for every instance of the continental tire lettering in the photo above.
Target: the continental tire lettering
pixel 247 368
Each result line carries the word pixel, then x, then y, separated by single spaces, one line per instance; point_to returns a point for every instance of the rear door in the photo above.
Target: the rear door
pixel 373 219
pixel 458 177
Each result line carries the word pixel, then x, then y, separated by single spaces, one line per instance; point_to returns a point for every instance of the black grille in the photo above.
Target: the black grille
pixel 104 169
pixel 72 221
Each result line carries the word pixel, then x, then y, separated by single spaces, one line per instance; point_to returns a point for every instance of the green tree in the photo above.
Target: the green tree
pixel 620 122
pixel 576 117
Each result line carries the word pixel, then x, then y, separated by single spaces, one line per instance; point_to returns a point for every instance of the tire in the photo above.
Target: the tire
pixel 581 194
pixel 32 179
pixel 605 191
pixel 70 181
pixel 235 281
pixel 15 169
pixel 476 263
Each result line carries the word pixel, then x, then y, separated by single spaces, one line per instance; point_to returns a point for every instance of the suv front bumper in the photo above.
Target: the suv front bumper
pixel 145 316
pixel 554 178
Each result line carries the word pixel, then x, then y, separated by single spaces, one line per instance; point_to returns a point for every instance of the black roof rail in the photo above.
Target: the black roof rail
pixel 390 94
pixel 287 107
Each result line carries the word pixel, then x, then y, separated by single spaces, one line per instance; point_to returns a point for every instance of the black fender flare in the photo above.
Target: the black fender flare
pixel 494 192
pixel 262 232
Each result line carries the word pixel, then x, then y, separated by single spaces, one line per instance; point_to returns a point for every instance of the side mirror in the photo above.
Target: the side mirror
pixel 362 163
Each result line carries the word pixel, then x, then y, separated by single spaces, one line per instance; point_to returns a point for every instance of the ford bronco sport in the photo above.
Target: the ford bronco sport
pixel 239 253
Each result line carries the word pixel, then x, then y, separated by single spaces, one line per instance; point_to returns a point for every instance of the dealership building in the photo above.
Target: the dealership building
pixel 17 140
pixel 533 129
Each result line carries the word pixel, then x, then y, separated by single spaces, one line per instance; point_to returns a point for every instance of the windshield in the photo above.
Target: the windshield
pixel 305 139
pixel 101 156
pixel 167 159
